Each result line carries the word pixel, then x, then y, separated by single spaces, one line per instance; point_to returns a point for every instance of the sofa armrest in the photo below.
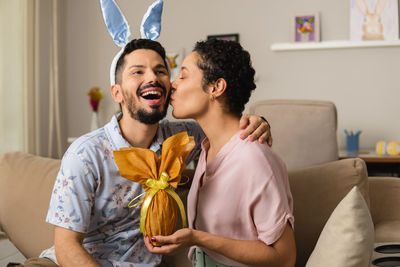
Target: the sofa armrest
pixel 26 182
pixel 316 192
pixel 384 195
pixel 385 202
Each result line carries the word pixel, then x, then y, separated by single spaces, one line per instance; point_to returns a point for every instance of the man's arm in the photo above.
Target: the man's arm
pixel 69 249
pixel 255 253
pixel 254 126
pixel 257 128
pixel 69 211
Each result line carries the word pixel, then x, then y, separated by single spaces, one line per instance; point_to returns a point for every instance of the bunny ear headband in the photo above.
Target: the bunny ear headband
pixel 119 29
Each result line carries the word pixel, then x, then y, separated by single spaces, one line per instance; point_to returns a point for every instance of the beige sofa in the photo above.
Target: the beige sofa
pixel 311 138
pixel 26 182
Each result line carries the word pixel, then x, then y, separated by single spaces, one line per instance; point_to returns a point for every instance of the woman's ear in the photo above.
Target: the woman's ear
pixel 218 88
pixel 116 93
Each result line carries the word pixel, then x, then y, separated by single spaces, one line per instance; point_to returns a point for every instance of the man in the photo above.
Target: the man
pixel 89 204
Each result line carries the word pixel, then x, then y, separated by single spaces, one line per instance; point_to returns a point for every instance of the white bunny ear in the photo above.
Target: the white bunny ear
pixel 362 5
pixel 151 22
pixel 115 21
pixel 380 6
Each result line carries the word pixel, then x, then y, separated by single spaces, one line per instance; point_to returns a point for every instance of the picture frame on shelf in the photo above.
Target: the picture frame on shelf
pixel 374 20
pixel 228 37
pixel 306 27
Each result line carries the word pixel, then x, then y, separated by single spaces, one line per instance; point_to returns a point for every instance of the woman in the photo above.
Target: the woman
pixel 239 204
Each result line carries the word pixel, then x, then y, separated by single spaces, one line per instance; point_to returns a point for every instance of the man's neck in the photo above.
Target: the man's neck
pixel 137 133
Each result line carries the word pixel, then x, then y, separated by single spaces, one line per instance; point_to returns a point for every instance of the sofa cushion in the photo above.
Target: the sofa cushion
pixel 26 182
pixel 384 192
pixel 348 237
pixel 316 192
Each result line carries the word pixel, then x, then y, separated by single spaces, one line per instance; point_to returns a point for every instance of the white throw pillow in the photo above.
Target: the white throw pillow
pixel 347 239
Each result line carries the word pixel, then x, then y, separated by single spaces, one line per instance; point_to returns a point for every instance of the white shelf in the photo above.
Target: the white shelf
pixel 332 45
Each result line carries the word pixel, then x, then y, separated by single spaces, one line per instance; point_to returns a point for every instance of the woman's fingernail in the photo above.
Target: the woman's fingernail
pixel 153 239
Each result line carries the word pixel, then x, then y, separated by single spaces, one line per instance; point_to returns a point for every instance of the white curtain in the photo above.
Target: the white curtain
pixel 11 76
pixel 54 142
pixel 29 83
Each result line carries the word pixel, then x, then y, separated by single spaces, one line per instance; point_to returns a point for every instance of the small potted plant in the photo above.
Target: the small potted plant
pixel 95 96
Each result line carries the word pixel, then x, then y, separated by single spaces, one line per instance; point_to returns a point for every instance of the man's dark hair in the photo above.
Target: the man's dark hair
pixel 132 46
pixel 227 60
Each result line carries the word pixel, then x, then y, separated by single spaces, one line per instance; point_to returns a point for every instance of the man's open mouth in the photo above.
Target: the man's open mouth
pixel 153 96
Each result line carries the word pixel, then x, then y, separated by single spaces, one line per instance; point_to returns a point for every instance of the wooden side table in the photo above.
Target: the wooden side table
pixel 385 165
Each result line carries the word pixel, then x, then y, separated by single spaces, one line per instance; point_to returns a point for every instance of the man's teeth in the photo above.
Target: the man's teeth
pixel 152 93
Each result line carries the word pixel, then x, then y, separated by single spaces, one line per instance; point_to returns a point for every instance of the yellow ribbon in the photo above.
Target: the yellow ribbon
pixel 155 186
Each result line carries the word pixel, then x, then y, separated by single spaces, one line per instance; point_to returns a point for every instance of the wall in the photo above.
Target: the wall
pixel 363 83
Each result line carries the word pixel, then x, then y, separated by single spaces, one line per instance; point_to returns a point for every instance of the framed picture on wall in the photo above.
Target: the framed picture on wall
pixel 228 37
pixel 374 20
pixel 306 28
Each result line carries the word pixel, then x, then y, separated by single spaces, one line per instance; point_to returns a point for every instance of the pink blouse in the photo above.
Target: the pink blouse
pixel 245 194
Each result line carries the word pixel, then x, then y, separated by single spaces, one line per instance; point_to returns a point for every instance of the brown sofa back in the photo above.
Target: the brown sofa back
pixel 316 192
pixel 26 182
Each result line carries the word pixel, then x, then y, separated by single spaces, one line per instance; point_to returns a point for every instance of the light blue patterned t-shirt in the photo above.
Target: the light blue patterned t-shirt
pixel 90 196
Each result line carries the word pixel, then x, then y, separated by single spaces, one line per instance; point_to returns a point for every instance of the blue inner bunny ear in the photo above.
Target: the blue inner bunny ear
pixel 115 21
pixel 151 22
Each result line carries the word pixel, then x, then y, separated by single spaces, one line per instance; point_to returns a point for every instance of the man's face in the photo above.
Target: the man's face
pixel 145 86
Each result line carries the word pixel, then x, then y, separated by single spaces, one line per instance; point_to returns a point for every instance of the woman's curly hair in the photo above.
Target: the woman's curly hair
pixel 227 60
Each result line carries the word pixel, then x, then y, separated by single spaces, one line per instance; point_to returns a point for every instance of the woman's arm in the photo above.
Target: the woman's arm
pixel 255 253
pixel 69 249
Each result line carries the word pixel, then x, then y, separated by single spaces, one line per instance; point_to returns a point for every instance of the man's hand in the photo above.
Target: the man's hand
pixel 172 243
pixel 255 127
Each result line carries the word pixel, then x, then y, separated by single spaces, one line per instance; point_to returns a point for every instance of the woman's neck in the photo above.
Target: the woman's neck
pixel 219 128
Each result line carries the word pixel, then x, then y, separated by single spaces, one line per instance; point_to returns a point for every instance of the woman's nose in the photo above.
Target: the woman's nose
pixel 174 83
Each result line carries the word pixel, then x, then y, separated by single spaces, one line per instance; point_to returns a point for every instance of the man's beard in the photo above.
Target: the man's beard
pixel 142 115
